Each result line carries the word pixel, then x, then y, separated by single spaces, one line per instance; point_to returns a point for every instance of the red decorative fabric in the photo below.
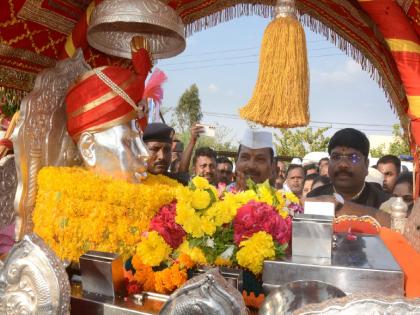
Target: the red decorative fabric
pixel 92 105
pixel 6 143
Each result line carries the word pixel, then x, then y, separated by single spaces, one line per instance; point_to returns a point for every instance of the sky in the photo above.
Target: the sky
pixel 223 62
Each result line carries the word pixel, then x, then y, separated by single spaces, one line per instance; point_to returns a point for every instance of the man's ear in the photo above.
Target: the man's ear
pixel 86 146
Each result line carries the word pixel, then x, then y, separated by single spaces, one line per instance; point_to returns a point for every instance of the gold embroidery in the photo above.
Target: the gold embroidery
pixel 116 122
pixel 100 100
pixel 26 55
pixel 33 11
pixel 17 79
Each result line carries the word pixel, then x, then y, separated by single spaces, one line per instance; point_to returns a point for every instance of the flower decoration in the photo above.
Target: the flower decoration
pixel 258 216
pixel 254 250
pixel 153 249
pixel 166 228
pixel 164 224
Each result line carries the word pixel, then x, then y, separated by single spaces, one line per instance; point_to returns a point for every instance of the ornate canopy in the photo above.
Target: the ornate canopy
pixel 33 35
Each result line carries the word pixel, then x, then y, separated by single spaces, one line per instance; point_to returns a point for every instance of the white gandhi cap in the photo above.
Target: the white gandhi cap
pixel 257 139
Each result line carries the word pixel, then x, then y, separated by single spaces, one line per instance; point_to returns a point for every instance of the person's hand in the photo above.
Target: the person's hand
pixel 195 132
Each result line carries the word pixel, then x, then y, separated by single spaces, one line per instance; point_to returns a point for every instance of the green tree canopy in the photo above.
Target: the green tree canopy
pixel 398 146
pixel 188 110
pixel 301 141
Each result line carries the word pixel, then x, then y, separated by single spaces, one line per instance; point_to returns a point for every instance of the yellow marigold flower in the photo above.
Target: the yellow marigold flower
pixel 195 253
pixel 200 182
pixel 254 250
pixel 265 194
pixel 120 211
pixel 153 249
pixel 201 199
pixel 291 197
pixel 207 226
pixel 222 262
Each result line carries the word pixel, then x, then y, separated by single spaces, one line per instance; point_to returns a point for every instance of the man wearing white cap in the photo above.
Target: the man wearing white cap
pixel 255 158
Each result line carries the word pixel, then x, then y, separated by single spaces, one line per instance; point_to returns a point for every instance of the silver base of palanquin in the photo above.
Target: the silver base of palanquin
pixel 356 266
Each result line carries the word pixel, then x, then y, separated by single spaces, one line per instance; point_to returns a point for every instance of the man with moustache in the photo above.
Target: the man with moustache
pixel 254 160
pixel 204 164
pixel 348 167
pixel 158 139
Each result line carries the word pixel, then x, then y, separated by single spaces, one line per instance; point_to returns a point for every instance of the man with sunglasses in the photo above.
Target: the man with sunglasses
pixel 348 167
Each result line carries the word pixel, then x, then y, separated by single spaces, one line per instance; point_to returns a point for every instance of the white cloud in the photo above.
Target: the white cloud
pixel 213 88
pixel 348 72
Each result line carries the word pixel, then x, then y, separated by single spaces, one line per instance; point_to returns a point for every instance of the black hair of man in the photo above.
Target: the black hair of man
pixel 323 159
pixel 224 160
pixel 271 153
pixel 325 180
pixel 204 151
pixel 390 159
pixel 311 177
pixel 294 166
pixel 350 138
pixel 405 177
pixel 311 166
pixel 277 159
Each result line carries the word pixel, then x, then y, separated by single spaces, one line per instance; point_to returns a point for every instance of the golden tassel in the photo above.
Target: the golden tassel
pixel 281 94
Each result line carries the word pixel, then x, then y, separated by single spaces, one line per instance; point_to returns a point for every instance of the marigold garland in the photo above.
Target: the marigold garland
pixel 153 249
pixel 77 210
pixel 254 250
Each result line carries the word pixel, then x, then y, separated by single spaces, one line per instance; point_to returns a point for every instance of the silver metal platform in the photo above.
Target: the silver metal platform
pixel 356 266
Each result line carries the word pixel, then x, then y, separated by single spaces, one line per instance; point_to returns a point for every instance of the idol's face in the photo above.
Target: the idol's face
pixel 117 151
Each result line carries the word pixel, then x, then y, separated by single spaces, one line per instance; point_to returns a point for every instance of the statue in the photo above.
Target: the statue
pixel 101 113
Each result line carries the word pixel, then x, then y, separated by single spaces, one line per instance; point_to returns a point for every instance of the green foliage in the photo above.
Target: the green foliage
pixel 378 151
pixel 301 141
pixel 188 110
pixel 399 144
pixel 213 246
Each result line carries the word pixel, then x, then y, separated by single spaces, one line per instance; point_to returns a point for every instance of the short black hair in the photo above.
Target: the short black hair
pixel 325 180
pixel 405 177
pixel 351 138
pixel 294 166
pixel 224 160
pixel 311 166
pixel 323 159
pixel 271 153
pixel 311 177
pixel 390 159
pixel 204 151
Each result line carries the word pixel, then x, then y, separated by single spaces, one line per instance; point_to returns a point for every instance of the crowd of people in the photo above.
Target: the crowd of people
pixel 344 177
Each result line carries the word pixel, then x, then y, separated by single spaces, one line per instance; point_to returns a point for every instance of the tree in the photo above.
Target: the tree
pixel 378 151
pixel 398 146
pixel 188 110
pixel 301 141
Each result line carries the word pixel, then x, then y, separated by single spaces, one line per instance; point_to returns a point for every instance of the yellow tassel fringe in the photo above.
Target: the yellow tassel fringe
pixel 281 94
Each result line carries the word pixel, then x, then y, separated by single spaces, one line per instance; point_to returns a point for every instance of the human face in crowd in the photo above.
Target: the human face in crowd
pixel 206 167
pixel 295 179
pixel 160 157
pixel 347 169
pixel 176 156
pixel 224 173
pixel 390 175
pixel 307 187
pixel 404 190
pixel 323 168
pixel 280 174
pixel 254 163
